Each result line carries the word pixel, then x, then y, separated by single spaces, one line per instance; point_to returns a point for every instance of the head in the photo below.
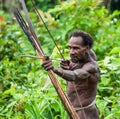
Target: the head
pixel 79 44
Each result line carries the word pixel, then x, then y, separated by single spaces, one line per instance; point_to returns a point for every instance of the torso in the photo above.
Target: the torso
pixel 81 92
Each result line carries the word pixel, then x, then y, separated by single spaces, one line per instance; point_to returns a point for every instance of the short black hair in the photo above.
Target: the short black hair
pixel 87 38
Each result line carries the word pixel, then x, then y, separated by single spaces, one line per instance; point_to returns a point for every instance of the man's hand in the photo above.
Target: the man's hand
pixel 47 64
pixel 64 64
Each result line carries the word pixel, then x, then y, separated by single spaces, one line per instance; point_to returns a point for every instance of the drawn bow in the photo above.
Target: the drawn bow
pixel 32 37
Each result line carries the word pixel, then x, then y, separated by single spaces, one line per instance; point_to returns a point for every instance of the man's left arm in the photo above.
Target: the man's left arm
pixel 79 74
pixel 89 69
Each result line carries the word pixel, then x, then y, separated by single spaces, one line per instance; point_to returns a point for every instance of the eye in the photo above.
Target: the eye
pixel 75 48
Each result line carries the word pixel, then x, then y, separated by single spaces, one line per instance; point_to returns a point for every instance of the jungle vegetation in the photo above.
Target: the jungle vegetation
pixel 26 91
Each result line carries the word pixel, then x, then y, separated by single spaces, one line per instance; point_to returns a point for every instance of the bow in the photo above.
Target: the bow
pixel 32 37
pixel 39 16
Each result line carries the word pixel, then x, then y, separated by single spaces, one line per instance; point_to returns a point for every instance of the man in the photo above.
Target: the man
pixel 81 73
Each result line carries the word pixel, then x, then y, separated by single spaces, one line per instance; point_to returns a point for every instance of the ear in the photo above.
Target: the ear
pixel 87 47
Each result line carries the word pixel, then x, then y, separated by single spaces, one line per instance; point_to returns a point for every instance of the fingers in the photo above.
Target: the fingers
pixel 47 65
pixel 46 58
pixel 64 64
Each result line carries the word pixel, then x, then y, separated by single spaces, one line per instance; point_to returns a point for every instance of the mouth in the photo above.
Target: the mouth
pixel 74 58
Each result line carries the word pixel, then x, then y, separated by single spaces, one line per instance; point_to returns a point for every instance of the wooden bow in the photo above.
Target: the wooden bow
pixel 32 37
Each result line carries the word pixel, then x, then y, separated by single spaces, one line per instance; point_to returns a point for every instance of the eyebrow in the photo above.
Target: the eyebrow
pixel 73 45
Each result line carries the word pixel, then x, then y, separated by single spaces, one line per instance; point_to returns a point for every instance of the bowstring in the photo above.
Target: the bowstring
pixel 57 48
pixel 38 14
pixel 79 99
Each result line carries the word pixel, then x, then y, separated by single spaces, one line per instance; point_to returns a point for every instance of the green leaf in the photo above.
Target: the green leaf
pixel 115 50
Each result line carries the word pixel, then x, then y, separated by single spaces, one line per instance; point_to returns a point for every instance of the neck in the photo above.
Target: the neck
pixel 86 58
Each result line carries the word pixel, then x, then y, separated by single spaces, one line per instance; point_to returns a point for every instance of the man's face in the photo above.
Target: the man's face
pixel 76 50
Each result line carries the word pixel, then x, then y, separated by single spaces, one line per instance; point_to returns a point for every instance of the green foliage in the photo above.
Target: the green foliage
pixel 109 85
pixel 43 4
pixel 87 16
pixel 25 89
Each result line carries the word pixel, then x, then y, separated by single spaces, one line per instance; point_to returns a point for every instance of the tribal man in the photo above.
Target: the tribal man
pixel 81 73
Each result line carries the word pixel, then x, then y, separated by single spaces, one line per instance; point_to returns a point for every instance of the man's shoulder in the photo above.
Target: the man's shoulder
pixel 92 54
pixel 91 66
pixel 92 62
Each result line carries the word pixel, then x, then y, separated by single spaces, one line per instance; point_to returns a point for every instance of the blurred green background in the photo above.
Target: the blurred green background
pixel 25 88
